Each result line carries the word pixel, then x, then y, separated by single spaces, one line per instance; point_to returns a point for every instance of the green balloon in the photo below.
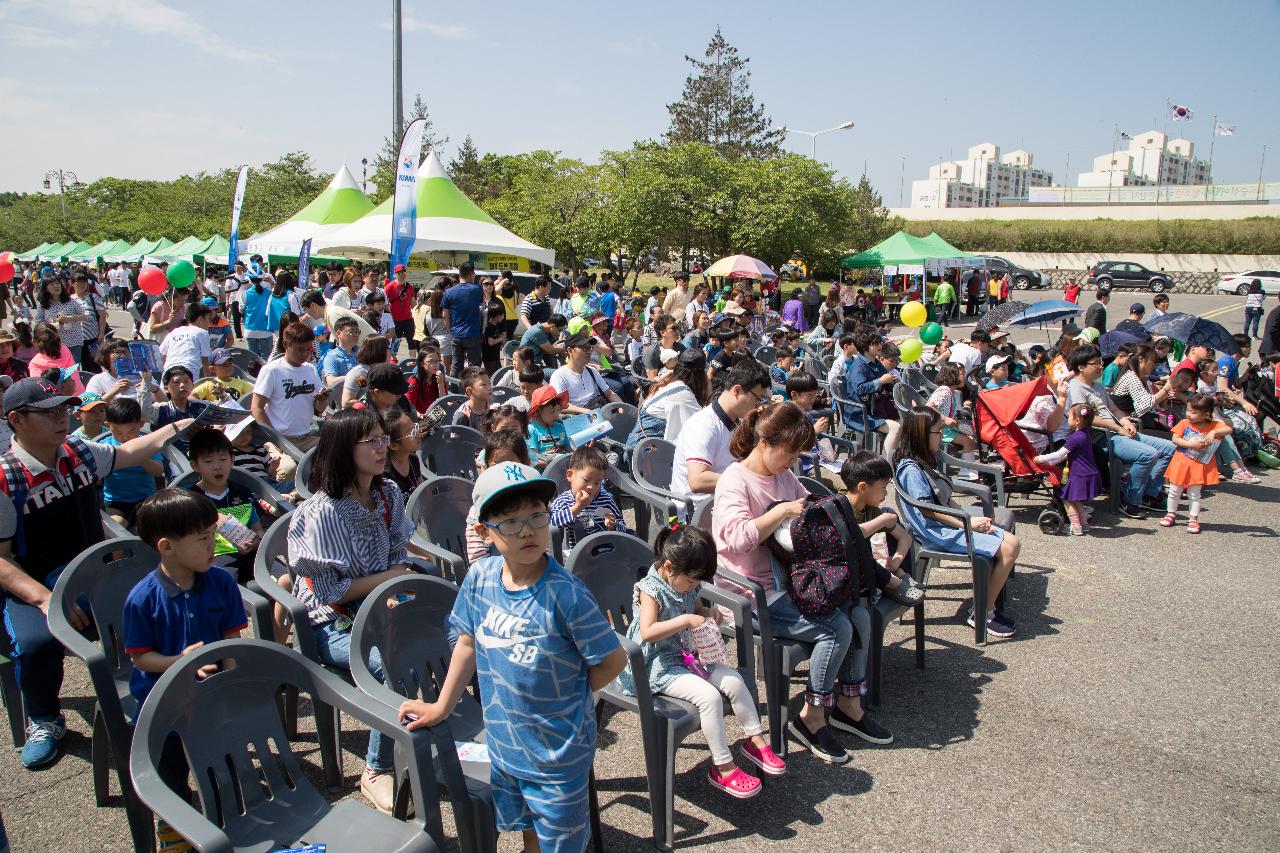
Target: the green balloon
pixel 931 333
pixel 181 274
pixel 909 351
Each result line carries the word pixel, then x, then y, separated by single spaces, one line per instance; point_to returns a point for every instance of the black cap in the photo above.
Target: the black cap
pixel 577 340
pixel 387 377
pixel 34 393
pixel 1137 308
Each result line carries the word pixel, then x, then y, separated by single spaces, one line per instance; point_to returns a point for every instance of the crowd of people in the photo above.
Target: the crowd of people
pixel 351 367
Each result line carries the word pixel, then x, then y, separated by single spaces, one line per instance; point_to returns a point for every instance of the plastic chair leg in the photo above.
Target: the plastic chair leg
pixel 919 620
pixel 875 659
pixel 327 733
pixel 100 759
pixel 981 583
pixel 141 824
pixel 669 792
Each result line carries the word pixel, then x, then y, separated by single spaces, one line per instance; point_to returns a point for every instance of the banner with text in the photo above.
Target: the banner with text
pixel 235 217
pixel 404 213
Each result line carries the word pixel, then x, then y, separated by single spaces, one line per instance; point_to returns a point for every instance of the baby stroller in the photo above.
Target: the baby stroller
pixel 1261 391
pixel 995 416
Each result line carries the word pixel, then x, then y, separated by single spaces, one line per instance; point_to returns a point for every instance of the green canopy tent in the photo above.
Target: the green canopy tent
pixel 902 248
pixel 28 257
pixel 340 203
pixel 181 250
pixel 61 253
pixel 139 250
pixel 95 254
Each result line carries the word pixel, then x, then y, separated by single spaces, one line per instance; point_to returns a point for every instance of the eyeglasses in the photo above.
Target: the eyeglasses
pixel 760 401
pixel 377 442
pixel 514 526
pixel 53 414
pixel 1094 361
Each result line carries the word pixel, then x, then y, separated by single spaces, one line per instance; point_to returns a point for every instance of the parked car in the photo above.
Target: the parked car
pixel 1239 283
pixel 1020 278
pixel 1127 274
pixel 792 270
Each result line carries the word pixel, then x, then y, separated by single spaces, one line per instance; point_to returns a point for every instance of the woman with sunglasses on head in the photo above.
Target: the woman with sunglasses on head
pixel 345 540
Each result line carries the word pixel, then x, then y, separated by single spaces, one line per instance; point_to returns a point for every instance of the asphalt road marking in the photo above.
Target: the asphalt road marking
pixel 1216 311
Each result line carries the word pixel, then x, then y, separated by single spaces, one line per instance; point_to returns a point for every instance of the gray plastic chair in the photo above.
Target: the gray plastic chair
pixel 246 360
pixel 103 575
pixel 261 489
pixel 450 451
pixel 504 393
pixel 14 707
pixel 412 638
pixel 450 403
pixel 261 800
pixel 609 564
pixel 438 510
pixel 651 462
pixel 508 350
pixel 816 488
pixel 622 418
pixel 302 474
pixel 852 415
pixel 645 505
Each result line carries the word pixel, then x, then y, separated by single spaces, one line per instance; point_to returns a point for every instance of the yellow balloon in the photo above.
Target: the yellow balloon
pixel 914 314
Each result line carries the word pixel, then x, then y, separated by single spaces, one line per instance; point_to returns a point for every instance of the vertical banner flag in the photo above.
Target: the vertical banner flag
pixel 404 213
pixel 1178 112
pixel 1221 129
pixel 304 264
pixel 235 217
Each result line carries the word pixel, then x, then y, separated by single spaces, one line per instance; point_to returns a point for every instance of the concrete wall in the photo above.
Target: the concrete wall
pixel 1127 212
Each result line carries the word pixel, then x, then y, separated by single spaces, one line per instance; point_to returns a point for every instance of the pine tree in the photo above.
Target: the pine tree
pixel 384 166
pixel 868 222
pixel 464 168
pixel 717 107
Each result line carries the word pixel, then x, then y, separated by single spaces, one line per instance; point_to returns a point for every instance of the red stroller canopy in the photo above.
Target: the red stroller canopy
pixel 995 416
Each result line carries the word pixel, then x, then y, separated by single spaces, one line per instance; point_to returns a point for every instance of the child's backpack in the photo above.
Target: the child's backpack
pixel 820 553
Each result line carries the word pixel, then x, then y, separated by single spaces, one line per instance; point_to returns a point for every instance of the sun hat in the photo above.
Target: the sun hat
pixel 547 394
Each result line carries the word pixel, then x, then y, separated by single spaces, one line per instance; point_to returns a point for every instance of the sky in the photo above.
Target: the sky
pixel 159 88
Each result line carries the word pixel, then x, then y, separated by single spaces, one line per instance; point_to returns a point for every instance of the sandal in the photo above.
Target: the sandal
pixel 908 593
pixel 1169 520
pixel 1193 526
pixel 736 783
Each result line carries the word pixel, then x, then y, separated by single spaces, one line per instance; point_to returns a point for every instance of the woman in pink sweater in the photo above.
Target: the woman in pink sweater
pixel 754 498
pixel 51 352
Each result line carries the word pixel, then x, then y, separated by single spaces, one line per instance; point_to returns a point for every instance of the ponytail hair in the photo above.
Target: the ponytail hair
pixel 777 424
pixel 690 550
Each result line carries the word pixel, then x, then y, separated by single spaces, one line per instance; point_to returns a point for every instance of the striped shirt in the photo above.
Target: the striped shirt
pixel 590 520
pixel 333 542
pixel 535 310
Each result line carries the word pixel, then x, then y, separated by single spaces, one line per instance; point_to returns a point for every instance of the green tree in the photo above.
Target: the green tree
pixel 464 169
pixel 384 165
pixel 554 201
pixel 868 219
pixel 718 108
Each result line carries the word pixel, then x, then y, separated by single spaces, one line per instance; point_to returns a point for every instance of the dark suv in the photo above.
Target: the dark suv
pixel 1127 274
pixel 1020 278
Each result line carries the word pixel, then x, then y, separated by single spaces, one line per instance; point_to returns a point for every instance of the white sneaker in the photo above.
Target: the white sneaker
pixel 379 788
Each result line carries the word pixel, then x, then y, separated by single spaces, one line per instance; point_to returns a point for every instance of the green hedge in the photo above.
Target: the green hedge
pixel 1253 236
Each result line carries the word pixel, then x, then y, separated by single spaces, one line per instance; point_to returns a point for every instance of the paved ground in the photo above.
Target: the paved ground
pixel 1134 711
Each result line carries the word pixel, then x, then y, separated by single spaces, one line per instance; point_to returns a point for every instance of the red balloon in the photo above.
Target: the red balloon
pixel 152 281
pixel 6 272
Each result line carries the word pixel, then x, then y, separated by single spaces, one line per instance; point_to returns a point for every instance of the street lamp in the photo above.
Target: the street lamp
pixel 814 134
pixel 364 175
pixel 63 177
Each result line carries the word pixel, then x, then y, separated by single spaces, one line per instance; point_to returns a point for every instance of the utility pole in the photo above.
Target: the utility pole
pixel 397 73
pixel 364 175
pixel 1261 162
pixel 902 179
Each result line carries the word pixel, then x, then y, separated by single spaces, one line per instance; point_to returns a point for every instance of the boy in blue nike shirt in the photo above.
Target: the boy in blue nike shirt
pixel 540 645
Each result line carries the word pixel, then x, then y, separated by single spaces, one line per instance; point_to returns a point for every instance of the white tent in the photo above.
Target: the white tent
pixel 448 221
pixel 341 203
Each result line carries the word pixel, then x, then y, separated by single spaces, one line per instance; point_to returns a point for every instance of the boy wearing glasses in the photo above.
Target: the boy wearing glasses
pixel 539 644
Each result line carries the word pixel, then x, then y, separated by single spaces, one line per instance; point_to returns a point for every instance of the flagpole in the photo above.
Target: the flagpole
pixel 1111 167
pixel 1261 162
pixel 1213 137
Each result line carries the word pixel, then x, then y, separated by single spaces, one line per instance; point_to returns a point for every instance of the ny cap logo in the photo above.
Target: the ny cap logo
pixel 514 473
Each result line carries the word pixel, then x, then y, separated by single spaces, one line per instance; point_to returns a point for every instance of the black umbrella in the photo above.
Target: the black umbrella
pixel 1193 331
pixel 1111 342
pixel 1001 315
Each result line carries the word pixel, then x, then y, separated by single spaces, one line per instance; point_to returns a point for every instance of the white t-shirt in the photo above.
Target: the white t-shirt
pixel 342 299
pixel 186 345
pixel 675 404
pixel 970 357
pixel 581 386
pixel 705 439
pixel 290 392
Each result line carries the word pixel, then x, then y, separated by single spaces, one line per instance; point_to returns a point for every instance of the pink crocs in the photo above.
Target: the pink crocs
pixel 736 784
pixel 766 759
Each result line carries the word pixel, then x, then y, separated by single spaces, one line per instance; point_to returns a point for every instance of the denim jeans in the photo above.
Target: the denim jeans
pixel 261 347
pixel 834 656
pixel 1253 321
pixel 466 350
pixel 1147 457
pixel 335 650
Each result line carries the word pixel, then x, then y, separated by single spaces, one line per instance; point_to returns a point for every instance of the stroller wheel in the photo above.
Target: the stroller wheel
pixel 1050 522
pixel 1271 446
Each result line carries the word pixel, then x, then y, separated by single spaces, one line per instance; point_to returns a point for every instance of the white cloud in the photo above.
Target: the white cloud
pixel 78 19
pixel 411 24
pixel 18 35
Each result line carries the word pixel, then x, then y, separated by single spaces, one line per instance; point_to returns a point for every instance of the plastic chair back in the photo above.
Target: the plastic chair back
pixel 451 450
pixel 450 403
pixel 302 476
pixel 438 510
pixel 622 418
pixel 246 360
pixel 261 489
pixel 609 564
pixel 508 350
pixel 816 487
pixel 766 354
pixel 651 463
pixel 504 393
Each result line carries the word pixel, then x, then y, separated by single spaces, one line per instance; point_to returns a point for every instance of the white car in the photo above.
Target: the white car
pixel 1239 283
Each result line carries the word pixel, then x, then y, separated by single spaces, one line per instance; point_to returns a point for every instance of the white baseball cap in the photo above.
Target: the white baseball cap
pixel 503 478
pixel 995 361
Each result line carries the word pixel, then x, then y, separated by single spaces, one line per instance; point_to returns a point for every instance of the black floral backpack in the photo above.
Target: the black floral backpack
pixel 819 554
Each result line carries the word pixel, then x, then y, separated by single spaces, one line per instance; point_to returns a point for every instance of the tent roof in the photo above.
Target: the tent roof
pixel 35 253
pixel 340 203
pixel 141 248
pixel 447 221
pixel 180 250
pixel 902 248
pixel 65 250
pixel 106 247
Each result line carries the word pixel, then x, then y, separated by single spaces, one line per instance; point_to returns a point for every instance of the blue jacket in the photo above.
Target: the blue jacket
pixel 861 381
pixel 256 307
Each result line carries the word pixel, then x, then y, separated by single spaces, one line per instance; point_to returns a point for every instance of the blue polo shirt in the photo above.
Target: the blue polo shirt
pixel 337 362
pixel 463 301
pixel 160 617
